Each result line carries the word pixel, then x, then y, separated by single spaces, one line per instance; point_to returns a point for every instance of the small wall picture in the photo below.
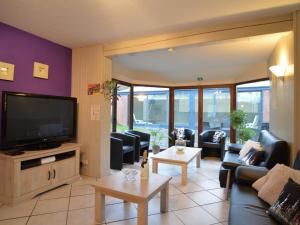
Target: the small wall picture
pixel 93 89
pixel 40 70
pixel 7 71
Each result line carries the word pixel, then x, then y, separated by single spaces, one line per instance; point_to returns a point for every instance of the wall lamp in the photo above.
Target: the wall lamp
pixel 279 70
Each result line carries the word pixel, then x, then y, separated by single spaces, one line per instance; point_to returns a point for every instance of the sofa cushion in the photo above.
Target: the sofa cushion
pixel 210 145
pixel 247 209
pixel 278 177
pixel 253 157
pixel 248 146
pixel 286 209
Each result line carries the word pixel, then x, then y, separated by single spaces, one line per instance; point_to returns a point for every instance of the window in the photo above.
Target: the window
pixel 151 111
pixel 216 109
pixel 186 110
pixel 254 99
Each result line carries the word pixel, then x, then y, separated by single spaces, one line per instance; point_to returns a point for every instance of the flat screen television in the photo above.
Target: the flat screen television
pixel 31 121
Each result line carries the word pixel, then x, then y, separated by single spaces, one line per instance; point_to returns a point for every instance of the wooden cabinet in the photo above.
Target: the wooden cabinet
pixel 23 176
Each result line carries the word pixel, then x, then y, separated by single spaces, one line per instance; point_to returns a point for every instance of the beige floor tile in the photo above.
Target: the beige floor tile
pixel 82 217
pixel 218 210
pixel 172 191
pixel 84 181
pixel 189 187
pixel 180 202
pixel 208 184
pixel 20 210
pixel 120 212
pixel 164 219
pixel 82 190
pixel 195 216
pixel 82 201
pixel 176 180
pixel 220 193
pixel 59 218
pixel 158 219
pixel 51 206
pixel 126 222
pixel 18 221
pixel 61 192
pixel 203 197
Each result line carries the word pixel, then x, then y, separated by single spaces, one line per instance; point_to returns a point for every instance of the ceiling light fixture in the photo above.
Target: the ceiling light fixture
pixel 199 78
pixel 141 98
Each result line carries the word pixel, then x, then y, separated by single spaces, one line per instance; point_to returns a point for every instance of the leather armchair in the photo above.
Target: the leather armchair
pixel 210 148
pixel 142 142
pixel 122 150
pixel 189 137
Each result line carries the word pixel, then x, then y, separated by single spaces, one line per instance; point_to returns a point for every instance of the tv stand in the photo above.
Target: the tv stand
pixel 24 176
pixel 42 146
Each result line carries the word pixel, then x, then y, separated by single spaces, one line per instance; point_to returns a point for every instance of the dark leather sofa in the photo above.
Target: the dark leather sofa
pixel 276 151
pixel 189 137
pixel 245 207
pixel 209 148
pixel 122 150
pixel 142 142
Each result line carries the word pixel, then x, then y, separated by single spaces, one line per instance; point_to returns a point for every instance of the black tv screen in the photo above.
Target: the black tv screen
pixel 32 119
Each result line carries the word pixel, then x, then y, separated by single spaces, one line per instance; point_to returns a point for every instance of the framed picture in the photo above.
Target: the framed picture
pixel 40 70
pixel 7 71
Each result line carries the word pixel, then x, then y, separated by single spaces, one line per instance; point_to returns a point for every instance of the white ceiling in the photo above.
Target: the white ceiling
pixel 225 61
pixel 76 23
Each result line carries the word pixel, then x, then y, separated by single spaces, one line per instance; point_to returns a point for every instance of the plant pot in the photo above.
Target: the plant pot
pixel 155 149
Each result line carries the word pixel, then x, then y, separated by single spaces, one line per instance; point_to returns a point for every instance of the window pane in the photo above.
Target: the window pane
pixel 216 109
pixel 151 111
pixel 186 110
pixel 123 107
pixel 254 99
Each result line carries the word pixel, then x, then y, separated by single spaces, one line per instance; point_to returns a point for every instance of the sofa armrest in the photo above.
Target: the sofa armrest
pixel 235 148
pixel 249 174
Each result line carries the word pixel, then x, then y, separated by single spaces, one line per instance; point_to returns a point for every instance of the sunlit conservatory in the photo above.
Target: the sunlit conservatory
pixel 148 108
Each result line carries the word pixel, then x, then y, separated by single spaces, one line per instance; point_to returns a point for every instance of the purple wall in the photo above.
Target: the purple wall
pixel 22 49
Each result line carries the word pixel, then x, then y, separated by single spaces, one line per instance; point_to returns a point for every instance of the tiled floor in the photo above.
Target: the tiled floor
pixel 200 202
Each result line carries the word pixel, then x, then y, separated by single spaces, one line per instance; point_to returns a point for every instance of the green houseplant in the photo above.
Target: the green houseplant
pixel 238 121
pixel 157 136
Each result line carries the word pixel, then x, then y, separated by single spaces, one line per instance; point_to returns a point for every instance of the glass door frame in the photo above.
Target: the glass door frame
pixel 115 102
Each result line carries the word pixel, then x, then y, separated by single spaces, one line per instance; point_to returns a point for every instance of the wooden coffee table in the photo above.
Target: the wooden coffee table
pixel 138 191
pixel 170 156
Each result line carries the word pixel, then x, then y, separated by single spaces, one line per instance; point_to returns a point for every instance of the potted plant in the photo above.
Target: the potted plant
pixel 238 121
pixel 157 136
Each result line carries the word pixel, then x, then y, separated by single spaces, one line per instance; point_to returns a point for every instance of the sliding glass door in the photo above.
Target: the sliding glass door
pixel 123 108
pixel 151 111
pixel 216 109
pixel 186 110
pixel 254 99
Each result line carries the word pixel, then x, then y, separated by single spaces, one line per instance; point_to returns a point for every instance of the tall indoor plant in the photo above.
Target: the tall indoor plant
pixel 238 121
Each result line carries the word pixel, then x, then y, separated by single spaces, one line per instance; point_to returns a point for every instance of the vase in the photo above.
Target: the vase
pixel 155 149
